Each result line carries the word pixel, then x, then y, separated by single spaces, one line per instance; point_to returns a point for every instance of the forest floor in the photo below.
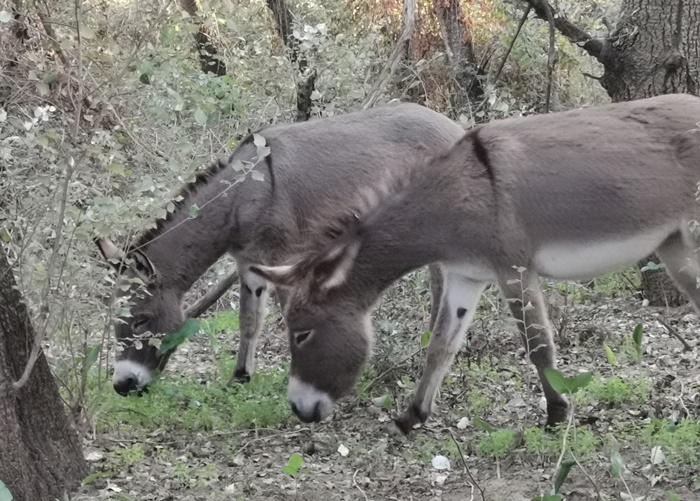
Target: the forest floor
pixel 192 438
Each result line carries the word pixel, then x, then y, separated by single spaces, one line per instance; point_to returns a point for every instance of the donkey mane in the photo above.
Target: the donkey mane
pixel 186 191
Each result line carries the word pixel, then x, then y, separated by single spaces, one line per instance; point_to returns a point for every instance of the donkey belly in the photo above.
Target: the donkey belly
pixel 587 259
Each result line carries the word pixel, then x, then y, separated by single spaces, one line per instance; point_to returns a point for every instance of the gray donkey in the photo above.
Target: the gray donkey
pixel 566 195
pixel 313 170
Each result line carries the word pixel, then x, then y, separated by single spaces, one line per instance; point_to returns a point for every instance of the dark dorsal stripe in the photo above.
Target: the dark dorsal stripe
pixel 482 155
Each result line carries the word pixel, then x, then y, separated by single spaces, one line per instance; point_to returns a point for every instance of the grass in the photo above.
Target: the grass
pixel 183 403
pixel 614 391
pixel 186 405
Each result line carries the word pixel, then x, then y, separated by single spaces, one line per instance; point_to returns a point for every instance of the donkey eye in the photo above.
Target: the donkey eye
pixel 300 337
pixel 139 321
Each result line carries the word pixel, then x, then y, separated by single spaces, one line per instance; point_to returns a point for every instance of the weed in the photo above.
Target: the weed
pixel 680 442
pixel 188 405
pixel 614 391
pixel 581 442
pixel 496 444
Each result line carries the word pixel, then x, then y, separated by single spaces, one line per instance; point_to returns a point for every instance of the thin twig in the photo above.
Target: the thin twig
pixel 374 381
pixel 466 468
pixel 550 54
pixel 512 42
pixel 409 23
pixel 671 330
pixel 590 479
pixel 354 483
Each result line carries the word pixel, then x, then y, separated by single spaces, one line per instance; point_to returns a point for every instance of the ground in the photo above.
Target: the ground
pixel 191 438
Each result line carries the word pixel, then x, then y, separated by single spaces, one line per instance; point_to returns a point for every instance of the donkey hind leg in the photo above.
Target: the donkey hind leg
pixel 460 298
pixel 679 254
pixel 436 282
pixel 536 332
pixel 251 319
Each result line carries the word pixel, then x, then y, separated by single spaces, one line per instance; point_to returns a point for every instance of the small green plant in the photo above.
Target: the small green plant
pixel 129 455
pixel 567 385
pixel 615 391
pixel 680 442
pixel 293 466
pixel 496 444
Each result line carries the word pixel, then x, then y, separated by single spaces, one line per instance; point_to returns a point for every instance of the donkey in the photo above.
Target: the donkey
pixel 567 195
pixel 313 169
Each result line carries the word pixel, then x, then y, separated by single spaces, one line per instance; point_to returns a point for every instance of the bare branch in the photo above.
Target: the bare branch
pixel 409 24
pixel 674 333
pixel 575 34
pixel 212 296
pixel 512 42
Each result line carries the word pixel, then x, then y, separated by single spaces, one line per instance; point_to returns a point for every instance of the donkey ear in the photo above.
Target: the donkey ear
pixel 116 257
pixel 142 264
pixel 112 254
pixel 283 276
pixel 332 269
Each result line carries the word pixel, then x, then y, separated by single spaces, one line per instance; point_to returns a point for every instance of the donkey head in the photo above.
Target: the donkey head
pixel 152 311
pixel 329 328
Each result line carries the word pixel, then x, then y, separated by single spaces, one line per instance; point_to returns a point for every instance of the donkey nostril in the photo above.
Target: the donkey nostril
pixel 317 412
pixel 295 410
pixel 125 386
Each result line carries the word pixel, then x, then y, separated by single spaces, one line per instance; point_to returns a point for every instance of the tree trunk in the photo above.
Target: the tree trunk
pixel 209 61
pixel 306 82
pixel 460 54
pixel 652 51
pixel 40 454
pixel 649 58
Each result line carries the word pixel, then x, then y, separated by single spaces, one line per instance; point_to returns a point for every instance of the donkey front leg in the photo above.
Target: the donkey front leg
pixel 460 298
pixel 251 318
pixel 522 291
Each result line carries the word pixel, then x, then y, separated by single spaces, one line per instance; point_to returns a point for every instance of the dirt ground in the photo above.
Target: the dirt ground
pixel 359 455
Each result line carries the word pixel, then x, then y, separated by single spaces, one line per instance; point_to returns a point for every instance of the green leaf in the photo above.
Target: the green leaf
pixel 5 236
pixel 425 339
pixel 652 266
pixel 257 175
pixel 172 341
pixel 617 465
pixel 259 140
pixel 5 17
pixel 637 336
pixel 483 425
pixel 200 117
pixel 289 470
pixel 5 494
pixel 193 211
pixel 295 460
pixel 555 497
pixel 384 401
pixel 672 496
pixel 563 472
pixel 612 360
pixel 569 385
pixel 86 32
pixel 91 356
pixel 98 474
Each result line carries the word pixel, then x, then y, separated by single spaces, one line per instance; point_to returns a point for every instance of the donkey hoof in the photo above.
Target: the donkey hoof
pixel 410 419
pixel 239 377
pixel 556 415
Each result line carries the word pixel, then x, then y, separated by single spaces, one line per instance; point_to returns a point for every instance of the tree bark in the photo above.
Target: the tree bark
pixel 460 54
pixel 306 83
pixel 209 60
pixel 652 51
pixel 40 454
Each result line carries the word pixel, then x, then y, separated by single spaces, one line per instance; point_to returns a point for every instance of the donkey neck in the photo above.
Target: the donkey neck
pixel 444 214
pixel 207 223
